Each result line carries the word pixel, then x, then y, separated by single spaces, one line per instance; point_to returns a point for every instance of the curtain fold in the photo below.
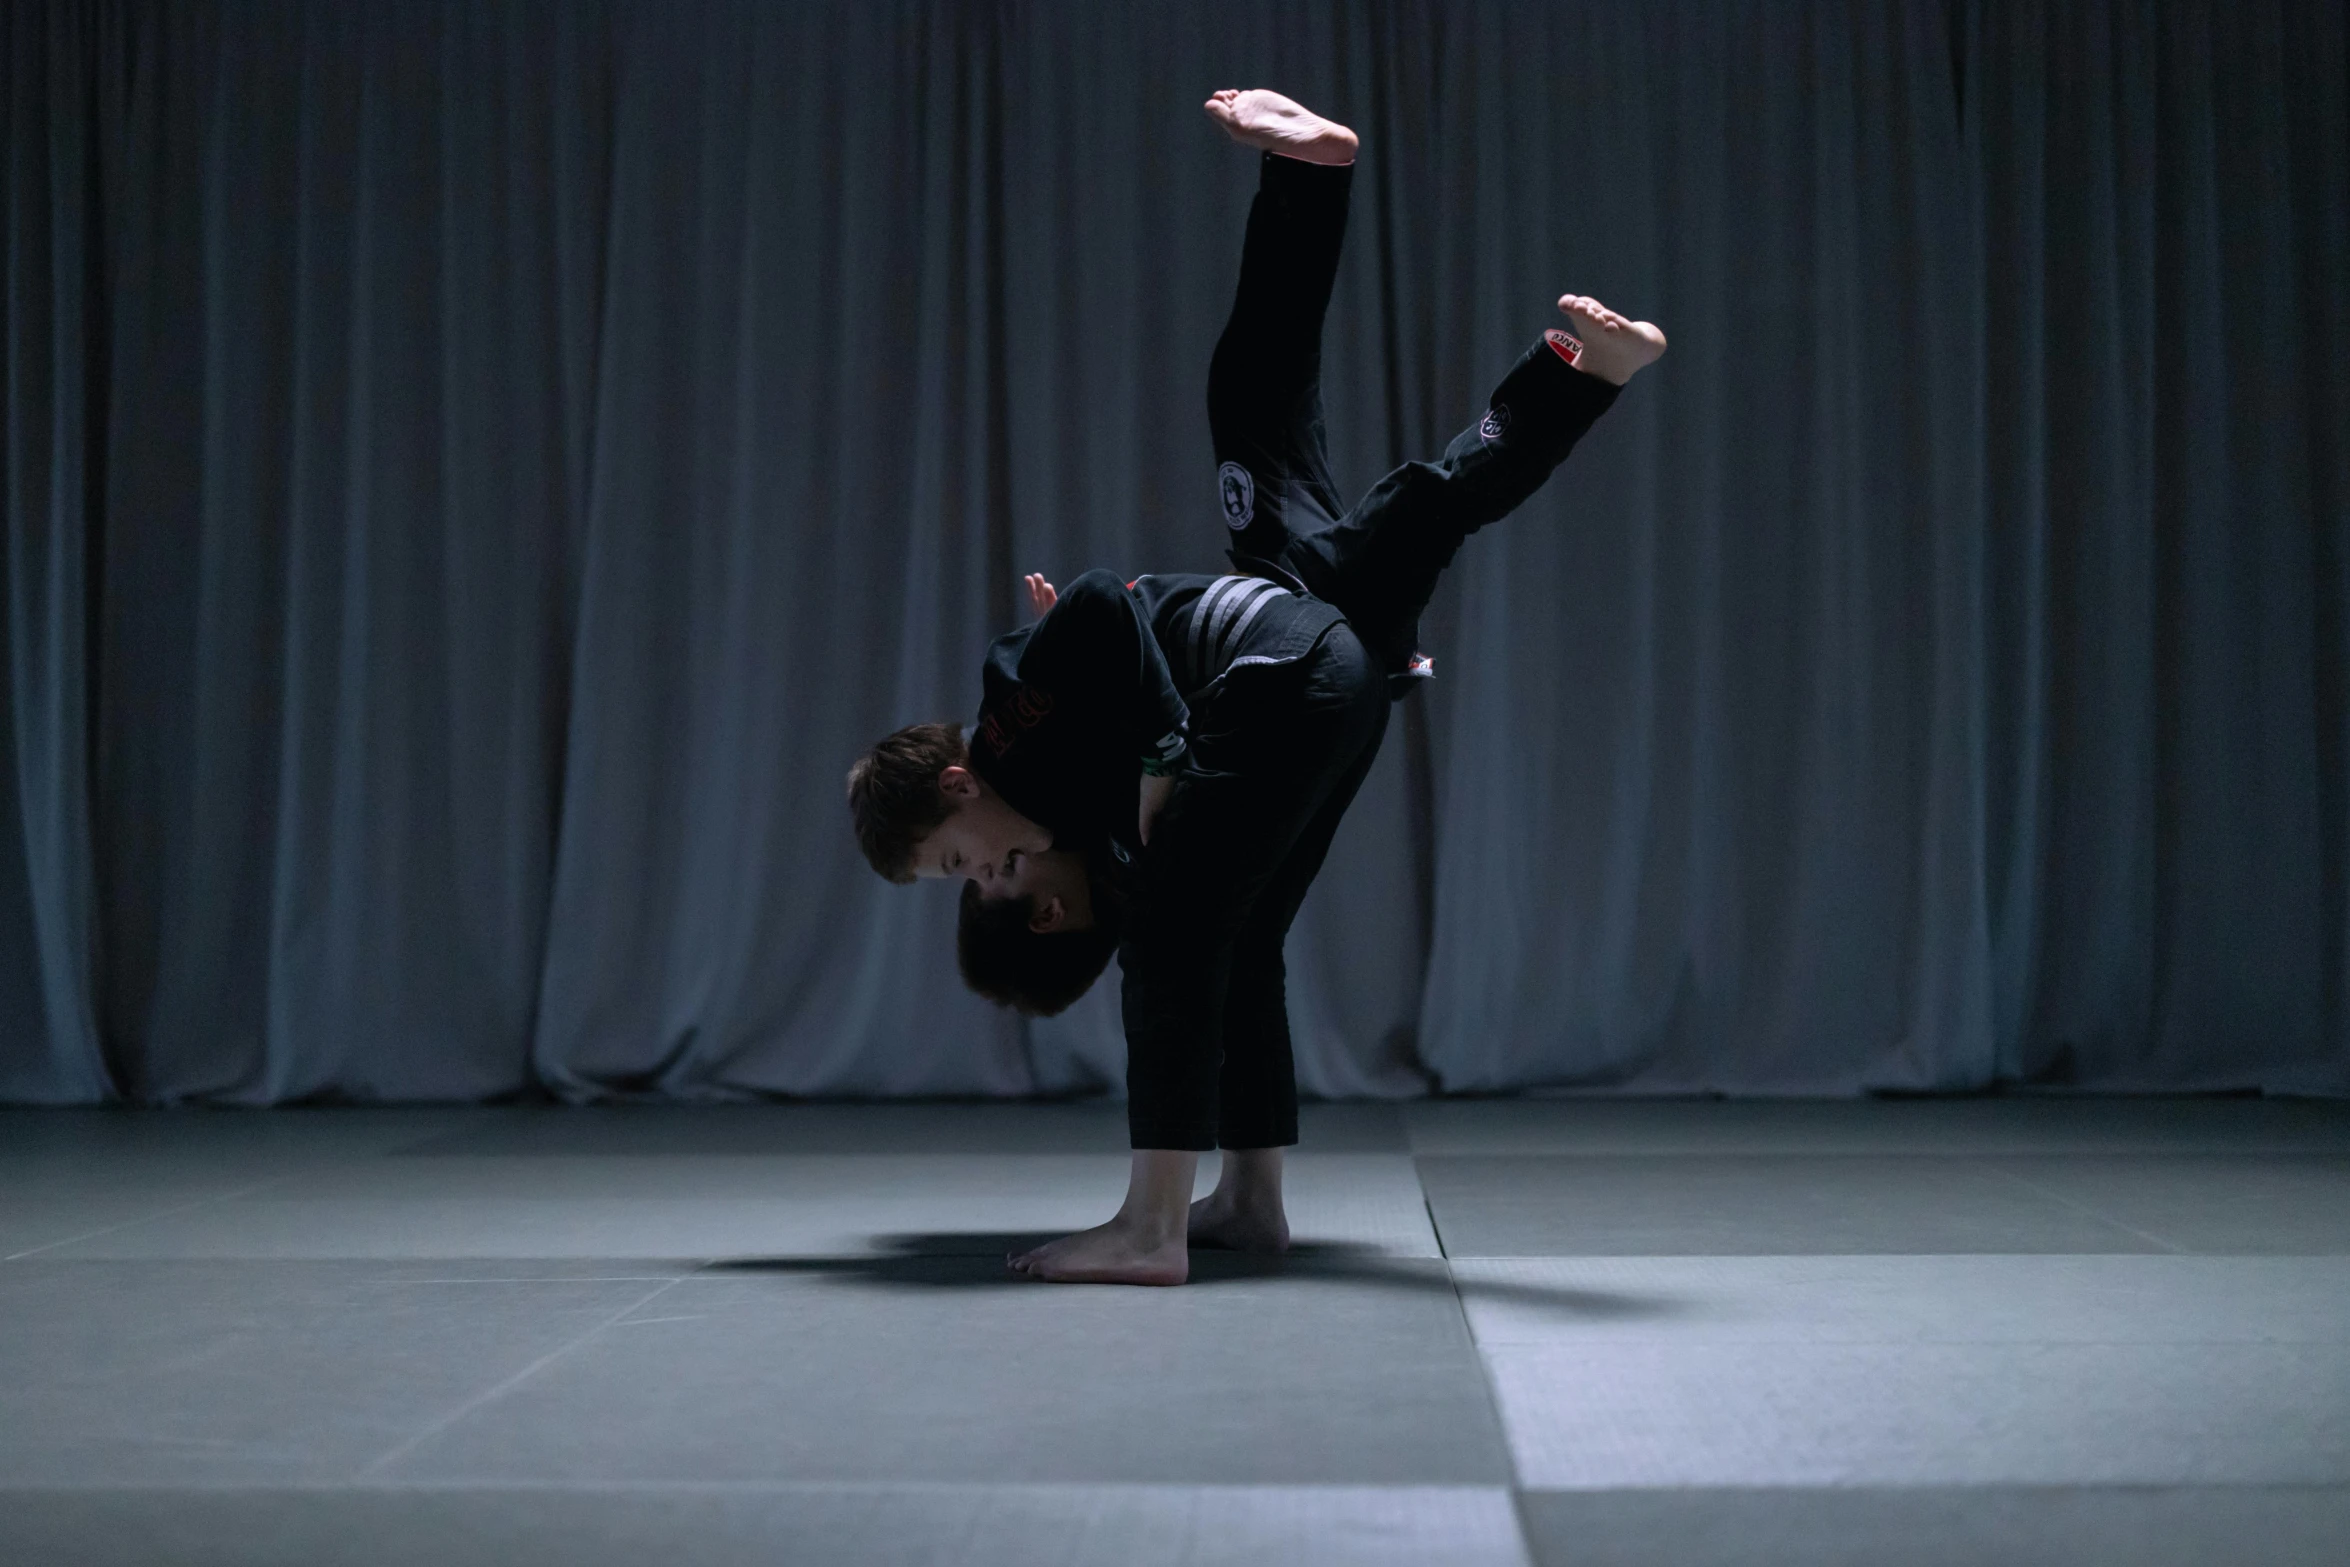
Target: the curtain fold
pixel 476 474
pixel 2163 207
pixel 1704 811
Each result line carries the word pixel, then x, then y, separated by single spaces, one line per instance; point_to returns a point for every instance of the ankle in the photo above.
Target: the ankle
pixel 1250 1181
pixel 1248 1197
pixel 1154 1231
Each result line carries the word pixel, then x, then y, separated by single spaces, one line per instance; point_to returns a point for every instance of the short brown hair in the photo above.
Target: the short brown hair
pixel 1036 975
pixel 894 798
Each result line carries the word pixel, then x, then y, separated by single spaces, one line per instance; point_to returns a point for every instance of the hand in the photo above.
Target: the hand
pixel 1041 595
pixel 1154 800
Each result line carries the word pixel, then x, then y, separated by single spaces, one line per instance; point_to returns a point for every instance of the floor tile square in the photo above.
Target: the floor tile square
pixel 1723 1205
pixel 2216 1203
pixel 1978 1526
pixel 1013 1130
pixel 119 1137
pixel 1339 1371
pixel 785 1526
pixel 1935 1127
pixel 262 1374
pixel 35 1222
pixel 1604 1417
pixel 633 1132
pixel 726 1206
pixel 1903 1300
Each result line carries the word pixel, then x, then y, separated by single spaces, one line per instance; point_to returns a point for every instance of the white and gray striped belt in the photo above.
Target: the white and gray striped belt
pixel 1219 617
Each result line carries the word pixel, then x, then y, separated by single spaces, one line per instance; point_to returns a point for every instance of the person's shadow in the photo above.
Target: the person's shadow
pixel 975 1260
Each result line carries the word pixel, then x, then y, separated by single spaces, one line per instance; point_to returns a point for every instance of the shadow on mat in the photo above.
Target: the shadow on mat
pixel 975 1260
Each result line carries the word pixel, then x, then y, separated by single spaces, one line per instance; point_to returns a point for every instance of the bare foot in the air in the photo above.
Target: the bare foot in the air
pixel 1225 1223
pixel 1261 118
pixel 1114 1253
pixel 1614 346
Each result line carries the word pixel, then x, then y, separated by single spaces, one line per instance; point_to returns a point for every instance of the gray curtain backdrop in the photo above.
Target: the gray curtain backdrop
pixel 476 473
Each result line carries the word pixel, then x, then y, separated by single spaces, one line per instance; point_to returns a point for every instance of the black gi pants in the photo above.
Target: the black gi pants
pixel 1279 751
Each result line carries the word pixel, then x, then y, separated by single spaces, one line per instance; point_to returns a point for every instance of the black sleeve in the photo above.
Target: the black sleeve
pixel 1094 649
pixel 1535 416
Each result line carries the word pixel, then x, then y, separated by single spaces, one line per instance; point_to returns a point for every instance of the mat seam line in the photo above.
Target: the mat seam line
pixel 149 1218
pixel 483 1398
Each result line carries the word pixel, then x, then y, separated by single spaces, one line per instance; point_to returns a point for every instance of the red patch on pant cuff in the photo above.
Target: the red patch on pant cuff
pixel 1565 345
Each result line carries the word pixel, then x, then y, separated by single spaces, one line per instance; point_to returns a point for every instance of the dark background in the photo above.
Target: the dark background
pixel 476 474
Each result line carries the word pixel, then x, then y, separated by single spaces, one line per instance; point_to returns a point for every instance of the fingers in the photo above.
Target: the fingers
pixel 1042 596
pixel 1154 796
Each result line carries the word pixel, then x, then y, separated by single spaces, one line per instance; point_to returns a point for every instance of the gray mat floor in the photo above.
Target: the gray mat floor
pixel 1532 1332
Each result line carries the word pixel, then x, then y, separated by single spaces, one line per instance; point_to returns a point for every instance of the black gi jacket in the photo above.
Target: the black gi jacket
pixel 1074 709
pixel 1078 705
pixel 1206 627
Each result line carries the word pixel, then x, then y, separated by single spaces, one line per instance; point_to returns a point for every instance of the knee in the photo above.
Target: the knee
pixel 1259 973
pixel 1358 672
pixel 1238 405
pixel 1229 377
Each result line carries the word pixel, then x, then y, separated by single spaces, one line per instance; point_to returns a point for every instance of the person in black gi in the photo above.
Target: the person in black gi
pixel 1160 765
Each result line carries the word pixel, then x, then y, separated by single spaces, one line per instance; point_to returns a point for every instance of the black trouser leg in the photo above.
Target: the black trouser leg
pixel 1380 562
pixel 1258 1088
pixel 1275 779
pixel 1276 748
pixel 1264 383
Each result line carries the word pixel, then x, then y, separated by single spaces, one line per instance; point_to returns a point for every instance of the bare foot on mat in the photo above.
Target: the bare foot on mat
pixel 1112 1253
pixel 1222 1223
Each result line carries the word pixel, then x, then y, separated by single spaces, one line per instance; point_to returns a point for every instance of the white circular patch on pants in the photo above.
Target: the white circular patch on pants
pixel 1239 492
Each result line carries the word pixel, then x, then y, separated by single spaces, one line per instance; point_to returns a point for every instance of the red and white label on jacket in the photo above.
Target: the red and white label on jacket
pixel 1565 344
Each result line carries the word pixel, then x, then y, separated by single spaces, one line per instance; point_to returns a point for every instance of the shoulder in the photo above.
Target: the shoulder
pixel 1094 605
pixel 1093 587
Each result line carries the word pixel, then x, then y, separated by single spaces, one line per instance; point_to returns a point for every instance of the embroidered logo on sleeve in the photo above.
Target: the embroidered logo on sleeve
pixel 1565 344
pixel 1496 422
pixel 1239 492
pixel 998 729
